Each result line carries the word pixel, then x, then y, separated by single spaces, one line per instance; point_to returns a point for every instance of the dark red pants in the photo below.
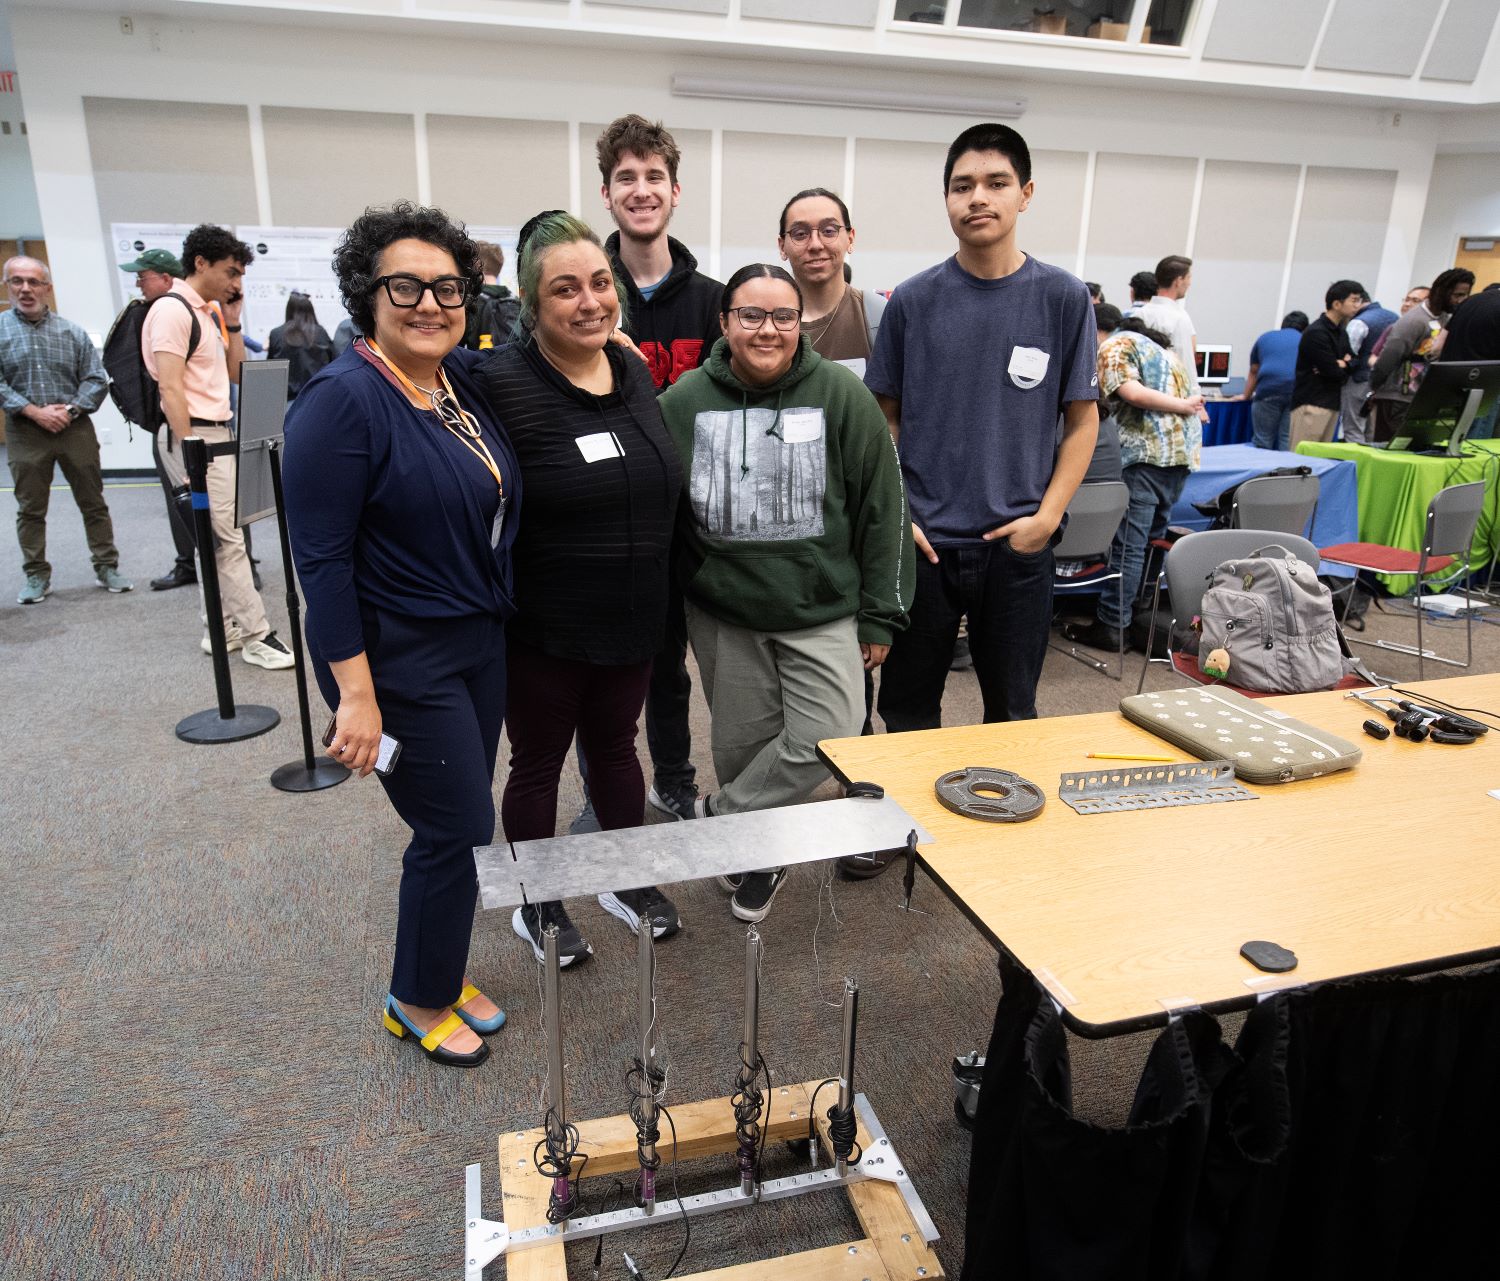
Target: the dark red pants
pixel 550 701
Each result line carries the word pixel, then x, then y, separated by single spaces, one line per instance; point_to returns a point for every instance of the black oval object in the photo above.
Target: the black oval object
pixel 1271 957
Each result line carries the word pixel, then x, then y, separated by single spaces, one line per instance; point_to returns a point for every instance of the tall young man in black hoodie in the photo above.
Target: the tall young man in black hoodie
pixel 673 317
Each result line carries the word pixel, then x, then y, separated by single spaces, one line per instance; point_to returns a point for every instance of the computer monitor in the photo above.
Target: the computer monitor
pixel 1213 365
pixel 1452 395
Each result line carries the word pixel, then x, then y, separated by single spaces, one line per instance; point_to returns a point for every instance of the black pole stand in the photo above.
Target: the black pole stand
pixel 310 774
pixel 225 723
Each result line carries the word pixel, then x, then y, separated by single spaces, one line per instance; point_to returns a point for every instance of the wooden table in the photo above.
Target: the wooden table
pixel 1392 866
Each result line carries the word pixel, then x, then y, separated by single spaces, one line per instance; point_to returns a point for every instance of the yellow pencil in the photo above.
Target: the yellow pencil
pixel 1119 756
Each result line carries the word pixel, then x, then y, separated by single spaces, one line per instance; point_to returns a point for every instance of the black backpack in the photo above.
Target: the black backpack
pixel 131 386
pixel 494 318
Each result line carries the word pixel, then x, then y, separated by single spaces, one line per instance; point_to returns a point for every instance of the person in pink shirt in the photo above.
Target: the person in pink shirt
pixel 194 351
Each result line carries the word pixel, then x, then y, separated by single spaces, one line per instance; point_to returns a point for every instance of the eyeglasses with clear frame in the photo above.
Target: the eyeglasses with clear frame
pixel 800 233
pixel 752 318
pixel 405 290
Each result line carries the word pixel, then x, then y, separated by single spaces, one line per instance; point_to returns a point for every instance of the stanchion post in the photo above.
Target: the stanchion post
pixel 308 774
pixel 226 723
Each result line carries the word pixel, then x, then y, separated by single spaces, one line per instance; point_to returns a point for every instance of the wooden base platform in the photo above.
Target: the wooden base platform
pixel 892 1248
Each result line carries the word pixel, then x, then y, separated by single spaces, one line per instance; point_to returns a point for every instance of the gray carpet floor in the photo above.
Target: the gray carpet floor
pixel 194 1081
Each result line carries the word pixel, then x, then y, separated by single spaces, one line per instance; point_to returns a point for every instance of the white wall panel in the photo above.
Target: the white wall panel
pixel 1050 227
pixel 326 167
pixel 170 161
pixel 1139 216
pixel 1341 233
pixel 680 6
pixel 839 13
pixel 1239 254
pixel 1458 204
pixel 762 171
pixel 497 173
pixel 1279 33
pixel 1385 37
pixel 899 211
pixel 1458 49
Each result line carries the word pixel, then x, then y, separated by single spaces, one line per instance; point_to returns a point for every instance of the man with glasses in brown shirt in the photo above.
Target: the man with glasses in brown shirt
pixel 815 237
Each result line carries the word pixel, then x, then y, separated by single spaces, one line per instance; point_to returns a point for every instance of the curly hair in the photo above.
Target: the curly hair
pixel 356 261
pixel 634 135
pixel 547 231
pixel 213 244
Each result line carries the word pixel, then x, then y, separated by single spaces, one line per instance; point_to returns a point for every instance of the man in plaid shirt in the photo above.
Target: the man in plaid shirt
pixel 51 379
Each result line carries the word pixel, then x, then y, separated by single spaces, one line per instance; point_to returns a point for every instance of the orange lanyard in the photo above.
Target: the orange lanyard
pixel 471 437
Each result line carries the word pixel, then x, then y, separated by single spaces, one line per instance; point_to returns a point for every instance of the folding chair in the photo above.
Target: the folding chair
pixel 1190 561
pixel 1284 503
pixel 1093 517
pixel 1451 518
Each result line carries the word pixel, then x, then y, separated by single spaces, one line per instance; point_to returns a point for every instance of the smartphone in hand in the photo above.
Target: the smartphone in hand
pixel 385 759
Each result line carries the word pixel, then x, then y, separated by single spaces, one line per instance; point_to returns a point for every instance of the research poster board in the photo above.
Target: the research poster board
pixel 128 240
pixel 288 259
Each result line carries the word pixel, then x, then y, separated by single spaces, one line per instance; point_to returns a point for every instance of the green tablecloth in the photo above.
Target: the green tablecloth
pixel 1395 489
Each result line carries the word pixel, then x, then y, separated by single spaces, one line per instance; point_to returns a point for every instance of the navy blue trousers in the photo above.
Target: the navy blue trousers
pixel 440 684
pixel 1007 596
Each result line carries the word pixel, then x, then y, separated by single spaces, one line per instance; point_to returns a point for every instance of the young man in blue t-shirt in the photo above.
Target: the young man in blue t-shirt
pixel 977 361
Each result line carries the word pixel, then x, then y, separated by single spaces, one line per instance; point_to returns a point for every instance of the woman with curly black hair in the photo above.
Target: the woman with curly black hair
pixel 402 494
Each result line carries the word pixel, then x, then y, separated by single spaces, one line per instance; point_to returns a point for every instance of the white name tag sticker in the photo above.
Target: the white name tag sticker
pixel 856 363
pixel 599 446
pixel 1028 366
pixel 802 426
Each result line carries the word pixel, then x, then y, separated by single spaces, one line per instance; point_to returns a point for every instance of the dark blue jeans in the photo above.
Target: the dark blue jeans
pixel 667 733
pixel 1153 490
pixel 1008 599
pixel 440 685
pixel 1271 421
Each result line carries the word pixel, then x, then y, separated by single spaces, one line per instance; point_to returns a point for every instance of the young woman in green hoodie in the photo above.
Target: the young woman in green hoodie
pixel 794 551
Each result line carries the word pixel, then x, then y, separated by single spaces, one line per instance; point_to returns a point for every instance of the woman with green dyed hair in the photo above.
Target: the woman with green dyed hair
pixel 602 480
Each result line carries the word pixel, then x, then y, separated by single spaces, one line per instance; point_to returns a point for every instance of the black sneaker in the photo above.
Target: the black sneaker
pixel 752 901
pixel 177 576
pixel 962 660
pixel 532 919
pixel 1095 634
pixel 732 881
pixel 631 905
pixel 674 802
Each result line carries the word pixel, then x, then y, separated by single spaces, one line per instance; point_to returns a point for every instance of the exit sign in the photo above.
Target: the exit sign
pixel 7 82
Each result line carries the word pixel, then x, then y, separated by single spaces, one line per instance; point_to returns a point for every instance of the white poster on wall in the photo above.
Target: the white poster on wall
pixel 288 259
pixel 505 237
pixel 128 240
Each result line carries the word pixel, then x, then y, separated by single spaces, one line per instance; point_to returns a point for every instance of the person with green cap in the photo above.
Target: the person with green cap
pixel 155 270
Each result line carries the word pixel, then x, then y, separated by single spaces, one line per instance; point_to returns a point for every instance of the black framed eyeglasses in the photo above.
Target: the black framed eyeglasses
pixel 406 291
pixel 800 233
pixel 784 318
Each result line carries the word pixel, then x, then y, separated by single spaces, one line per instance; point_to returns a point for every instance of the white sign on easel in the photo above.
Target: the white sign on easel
pixel 289 259
pixel 506 238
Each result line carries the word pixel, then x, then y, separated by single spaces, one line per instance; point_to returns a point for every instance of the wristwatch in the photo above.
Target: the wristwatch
pixel 75 412
pixel 234 329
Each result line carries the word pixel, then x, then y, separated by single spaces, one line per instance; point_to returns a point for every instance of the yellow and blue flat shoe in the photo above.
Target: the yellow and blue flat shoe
pixel 483 1026
pixel 397 1025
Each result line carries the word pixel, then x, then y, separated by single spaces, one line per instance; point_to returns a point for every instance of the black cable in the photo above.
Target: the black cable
pixel 1422 697
pixel 616 1189
pixel 561 1142
pixel 842 1126
pixel 687 1223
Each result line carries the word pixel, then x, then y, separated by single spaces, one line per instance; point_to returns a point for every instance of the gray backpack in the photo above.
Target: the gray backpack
pixel 1274 620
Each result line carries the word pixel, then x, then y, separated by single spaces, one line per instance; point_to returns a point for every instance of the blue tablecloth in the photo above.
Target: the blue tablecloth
pixel 1228 424
pixel 1337 517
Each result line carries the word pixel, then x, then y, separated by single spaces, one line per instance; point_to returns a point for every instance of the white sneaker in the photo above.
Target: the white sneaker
pixel 233 639
pixel 270 653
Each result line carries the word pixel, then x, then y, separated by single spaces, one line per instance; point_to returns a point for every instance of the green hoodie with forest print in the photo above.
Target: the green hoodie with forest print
pixel 796 512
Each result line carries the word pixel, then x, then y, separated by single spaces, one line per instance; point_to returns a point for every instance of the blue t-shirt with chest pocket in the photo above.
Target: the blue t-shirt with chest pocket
pixel 982 369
